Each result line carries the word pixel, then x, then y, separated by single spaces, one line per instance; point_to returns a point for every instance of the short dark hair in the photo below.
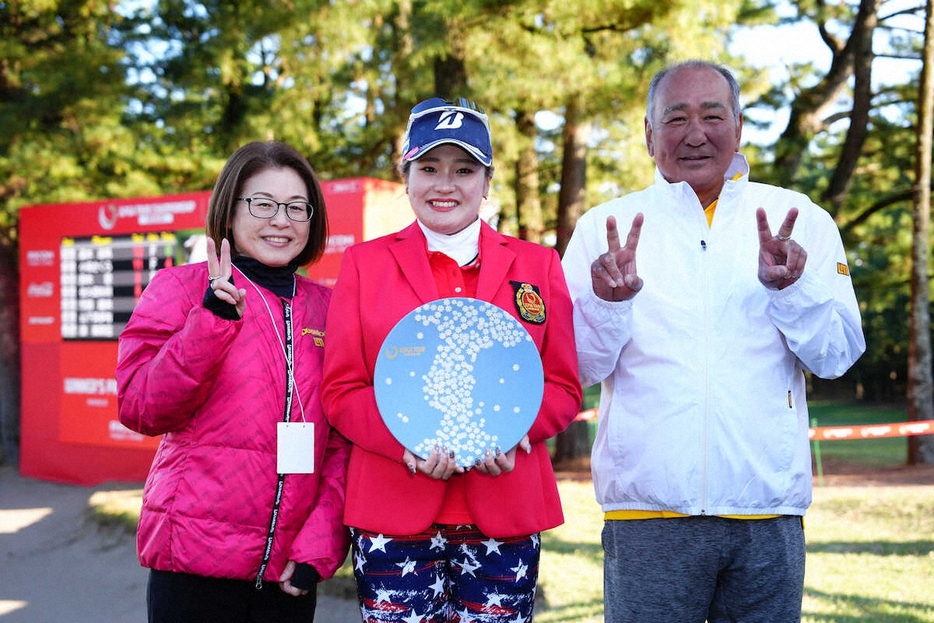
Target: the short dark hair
pixel 246 162
pixel 694 64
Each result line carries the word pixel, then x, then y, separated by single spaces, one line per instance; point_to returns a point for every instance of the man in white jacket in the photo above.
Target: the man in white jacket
pixel 701 461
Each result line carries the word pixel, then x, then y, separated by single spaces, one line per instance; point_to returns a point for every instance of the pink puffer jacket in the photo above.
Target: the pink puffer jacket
pixel 216 389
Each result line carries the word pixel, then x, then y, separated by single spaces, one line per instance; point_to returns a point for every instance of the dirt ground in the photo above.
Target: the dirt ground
pixel 842 474
pixel 59 564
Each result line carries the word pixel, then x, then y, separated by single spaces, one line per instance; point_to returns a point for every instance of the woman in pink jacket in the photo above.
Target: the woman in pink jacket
pixel 431 540
pixel 243 504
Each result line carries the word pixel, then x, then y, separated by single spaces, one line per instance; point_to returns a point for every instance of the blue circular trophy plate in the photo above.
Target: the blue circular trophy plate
pixel 461 374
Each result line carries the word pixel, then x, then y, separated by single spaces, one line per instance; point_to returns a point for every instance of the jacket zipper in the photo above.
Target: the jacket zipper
pixel 706 435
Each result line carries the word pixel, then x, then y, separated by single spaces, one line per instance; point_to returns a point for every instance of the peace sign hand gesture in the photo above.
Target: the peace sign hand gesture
pixel 781 259
pixel 219 271
pixel 613 274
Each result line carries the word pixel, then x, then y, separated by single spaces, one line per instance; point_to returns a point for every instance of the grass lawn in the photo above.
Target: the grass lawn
pixel 870 557
pixel 870 549
pixel 571 570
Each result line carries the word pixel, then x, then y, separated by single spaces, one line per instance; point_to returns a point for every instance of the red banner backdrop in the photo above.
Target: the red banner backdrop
pixel 82 269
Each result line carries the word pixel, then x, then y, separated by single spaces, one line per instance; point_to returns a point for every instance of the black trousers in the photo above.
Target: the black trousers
pixel 184 598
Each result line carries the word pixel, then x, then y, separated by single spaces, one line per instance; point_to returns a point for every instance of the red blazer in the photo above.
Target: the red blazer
pixel 381 281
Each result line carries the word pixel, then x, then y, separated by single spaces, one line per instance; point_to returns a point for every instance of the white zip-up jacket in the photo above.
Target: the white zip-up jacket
pixel 702 408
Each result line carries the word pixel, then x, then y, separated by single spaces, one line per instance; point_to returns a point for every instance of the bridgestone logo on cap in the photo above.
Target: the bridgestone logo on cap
pixel 450 120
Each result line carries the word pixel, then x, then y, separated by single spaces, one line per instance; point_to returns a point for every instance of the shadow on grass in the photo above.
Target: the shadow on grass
pixel 877 548
pixel 875 610
pixel 571 613
pixel 561 546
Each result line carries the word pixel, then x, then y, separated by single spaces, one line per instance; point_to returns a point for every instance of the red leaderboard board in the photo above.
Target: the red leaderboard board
pixel 83 266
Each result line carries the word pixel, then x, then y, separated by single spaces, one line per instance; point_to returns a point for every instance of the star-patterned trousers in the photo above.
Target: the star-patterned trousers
pixel 447 574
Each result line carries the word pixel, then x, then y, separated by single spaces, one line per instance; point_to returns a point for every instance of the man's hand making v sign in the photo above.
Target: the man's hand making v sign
pixel 614 273
pixel 781 259
pixel 615 278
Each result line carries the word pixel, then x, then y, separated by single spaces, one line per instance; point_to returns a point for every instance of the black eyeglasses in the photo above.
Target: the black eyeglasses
pixel 261 207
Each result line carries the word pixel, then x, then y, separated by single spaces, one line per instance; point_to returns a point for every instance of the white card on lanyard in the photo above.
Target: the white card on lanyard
pixel 295 448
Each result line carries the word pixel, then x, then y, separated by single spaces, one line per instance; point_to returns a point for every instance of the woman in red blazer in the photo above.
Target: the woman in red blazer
pixel 433 541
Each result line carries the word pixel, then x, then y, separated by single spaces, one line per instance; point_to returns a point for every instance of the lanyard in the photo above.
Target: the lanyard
pixel 287 417
pixel 288 349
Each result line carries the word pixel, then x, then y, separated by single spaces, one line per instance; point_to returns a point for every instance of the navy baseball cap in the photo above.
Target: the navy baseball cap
pixel 437 121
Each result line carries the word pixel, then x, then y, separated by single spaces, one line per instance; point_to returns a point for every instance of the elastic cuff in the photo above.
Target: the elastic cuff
pixel 221 309
pixel 305 577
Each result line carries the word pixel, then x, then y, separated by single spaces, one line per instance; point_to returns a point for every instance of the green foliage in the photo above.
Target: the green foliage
pixel 875 216
pixel 60 99
pixel 880 272
pixel 175 85
pixel 150 96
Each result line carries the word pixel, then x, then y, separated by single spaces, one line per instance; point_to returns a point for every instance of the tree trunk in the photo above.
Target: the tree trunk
pixel 574 442
pixel 863 57
pixel 573 174
pixel 450 69
pixel 920 385
pixel 808 109
pixel 528 202
pixel 9 356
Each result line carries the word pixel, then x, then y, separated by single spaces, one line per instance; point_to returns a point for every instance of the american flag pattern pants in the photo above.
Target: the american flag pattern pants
pixel 447 574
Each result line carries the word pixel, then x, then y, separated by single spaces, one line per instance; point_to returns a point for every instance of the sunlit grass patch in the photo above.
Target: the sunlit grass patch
pixel 870 555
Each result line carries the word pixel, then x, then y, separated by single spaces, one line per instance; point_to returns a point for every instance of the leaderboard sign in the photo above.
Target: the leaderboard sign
pixel 102 278
pixel 83 267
